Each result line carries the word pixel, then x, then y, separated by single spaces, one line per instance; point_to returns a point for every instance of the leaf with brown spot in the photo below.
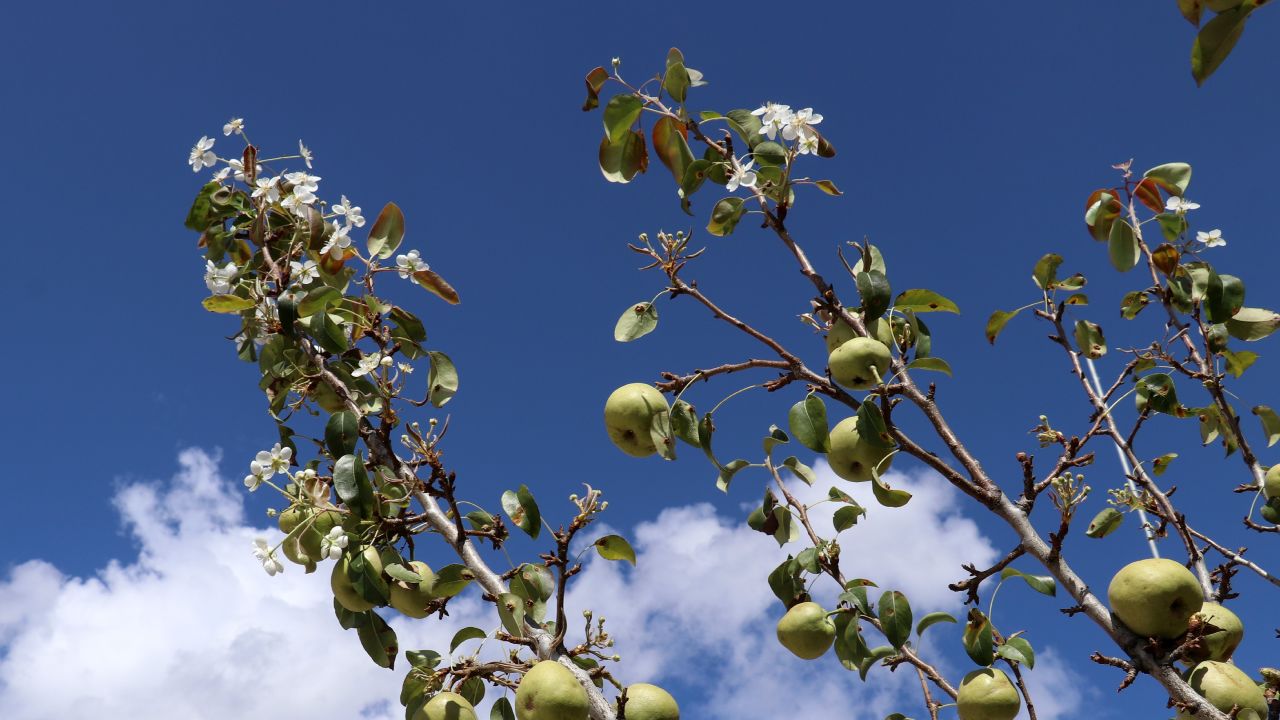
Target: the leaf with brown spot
pixel 432 281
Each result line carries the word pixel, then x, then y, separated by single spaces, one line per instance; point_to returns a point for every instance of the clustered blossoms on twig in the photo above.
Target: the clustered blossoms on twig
pixel 1182 206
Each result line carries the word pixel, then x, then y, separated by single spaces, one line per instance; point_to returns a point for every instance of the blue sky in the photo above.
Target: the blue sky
pixel 969 137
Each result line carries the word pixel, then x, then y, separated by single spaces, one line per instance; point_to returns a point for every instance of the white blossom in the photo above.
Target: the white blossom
pixel 410 263
pixel 339 241
pixel 304 272
pixel 386 361
pixel 351 213
pixel 268 188
pixel 332 545
pixel 303 180
pixel 270 462
pixel 202 155
pixel 238 167
pixel 222 174
pixel 1180 205
pixel 234 125
pixel 741 176
pixel 773 117
pixel 808 144
pixel 218 279
pixel 799 124
pixel 305 152
pixel 405 368
pixel 1213 238
pixel 255 478
pixel 368 364
pixel 266 556
pixel 298 200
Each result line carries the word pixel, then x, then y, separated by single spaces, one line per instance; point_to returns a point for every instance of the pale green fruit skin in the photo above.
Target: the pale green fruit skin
pixel 851 363
pixel 850 457
pixel 549 691
pixel 343 591
pixel 1221 644
pixel 1225 685
pixel 1271 483
pixel 412 600
pixel 987 694
pixel 806 631
pixel 304 549
pixel 446 706
pixel 628 414
pixel 650 702
pixel 1155 597
pixel 840 333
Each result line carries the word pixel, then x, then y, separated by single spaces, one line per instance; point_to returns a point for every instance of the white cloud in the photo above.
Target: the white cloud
pixel 193 628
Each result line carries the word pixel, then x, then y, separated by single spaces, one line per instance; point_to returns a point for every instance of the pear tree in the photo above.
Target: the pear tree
pixel 365 491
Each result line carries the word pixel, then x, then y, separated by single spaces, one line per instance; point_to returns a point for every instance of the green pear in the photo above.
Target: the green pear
pixel 851 364
pixel 987 694
pixel 628 413
pixel 412 600
pixel 549 691
pixel 853 458
pixel 1155 597
pixel 806 631
pixel 343 591
pixel 303 546
pixel 446 706
pixel 840 333
pixel 650 702
pixel 1220 644
pixel 1224 685
pixel 1271 483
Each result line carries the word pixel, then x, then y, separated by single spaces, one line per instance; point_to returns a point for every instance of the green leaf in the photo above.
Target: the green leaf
pixel 725 216
pixel 873 286
pixel 770 153
pixel 622 160
pixel 873 656
pixel 871 427
pixel 1172 177
pixel 1224 297
pixel 828 187
pixel 1251 324
pixel 800 470
pixel 670 146
pixel 1090 340
pixel 451 580
pixel 1043 584
pixel 387 232
pixel 352 484
pixel 1103 210
pixel 996 323
pixel 378 640
pixel 746 125
pixel 465 634
pixel 520 506
pixel 895 617
pixel 807 421
pixel 511 613
pixel 620 114
pixel 918 300
pixel 442 381
pixel 933 618
pixel 501 710
pixel 847 516
pixel 978 642
pixel 423 659
pixel 1160 464
pixel 850 648
pixel 930 363
pixel 1270 423
pixel 1107 521
pixel 1216 40
pixel 636 321
pixel 661 434
pixel 341 433
pixel 1238 362
pixel 1045 273
pixel 403 574
pixel 1017 650
pixel 615 547
pixel 786 583
pixel 788 530
pixel 328 333
pixel 1122 246
pixel 366 578
pixel 676 80
pixel 1133 303
pixel 472 690
pixel 684 422
pixel 1158 392
pixel 887 496
pixel 226 303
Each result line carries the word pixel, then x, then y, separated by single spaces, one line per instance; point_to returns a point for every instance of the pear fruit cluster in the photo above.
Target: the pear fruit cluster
pixel 410 599
pixel 806 631
pixel 987 694
pixel 1225 686
pixel 549 691
pixel 860 363
pixel 629 414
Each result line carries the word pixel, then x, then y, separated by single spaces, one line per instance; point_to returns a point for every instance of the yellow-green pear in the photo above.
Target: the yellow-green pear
pixel 303 546
pixel 1271 483
pixel 343 591
pixel 853 362
pixel 628 414
pixel 1219 644
pixel 650 702
pixel 853 458
pixel 838 334
pixel 987 694
pixel 1224 685
pixel 806 631
pixel 446 706
pixel 1155 597
pixel 549 691
pixel 412 600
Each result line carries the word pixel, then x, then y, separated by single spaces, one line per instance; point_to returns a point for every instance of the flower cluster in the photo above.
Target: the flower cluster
pixel 266 464
pixel 797 125
pixel 1181 206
